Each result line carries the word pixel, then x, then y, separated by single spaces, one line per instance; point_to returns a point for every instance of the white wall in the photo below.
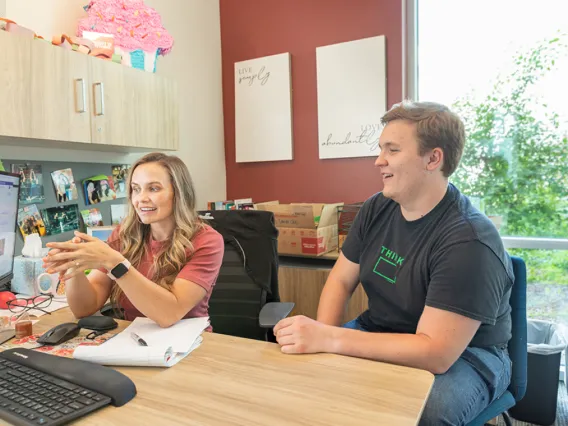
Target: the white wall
pixel 195 63
pixel 46 18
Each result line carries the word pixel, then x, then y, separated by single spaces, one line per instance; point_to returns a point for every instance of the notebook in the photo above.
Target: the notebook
pixel 166 346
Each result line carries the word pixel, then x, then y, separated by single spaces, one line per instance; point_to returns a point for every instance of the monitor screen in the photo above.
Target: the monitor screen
pixel 9 193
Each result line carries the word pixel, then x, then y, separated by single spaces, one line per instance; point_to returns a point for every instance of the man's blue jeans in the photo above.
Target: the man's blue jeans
pixel 477 378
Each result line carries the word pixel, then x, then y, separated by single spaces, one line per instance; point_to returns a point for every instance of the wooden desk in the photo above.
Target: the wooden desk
pixel 234 381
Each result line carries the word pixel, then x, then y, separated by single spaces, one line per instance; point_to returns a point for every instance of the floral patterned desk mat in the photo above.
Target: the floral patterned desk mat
pixel 65 349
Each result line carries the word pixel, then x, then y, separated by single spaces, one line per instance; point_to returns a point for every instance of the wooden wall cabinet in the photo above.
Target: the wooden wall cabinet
pixel 50 93
pixel 15 87
pixel 59 105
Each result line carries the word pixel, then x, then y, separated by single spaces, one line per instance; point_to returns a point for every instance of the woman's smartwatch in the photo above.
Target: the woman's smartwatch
pixel 119 270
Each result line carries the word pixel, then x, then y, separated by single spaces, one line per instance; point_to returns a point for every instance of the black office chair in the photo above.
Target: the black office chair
pixel 245 301
pixel 238 306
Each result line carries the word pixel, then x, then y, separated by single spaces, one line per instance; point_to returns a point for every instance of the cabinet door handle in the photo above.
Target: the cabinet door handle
pixel 80 104
pixel 101 87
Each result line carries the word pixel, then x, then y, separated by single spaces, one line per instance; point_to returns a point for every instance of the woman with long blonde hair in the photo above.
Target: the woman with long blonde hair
pixel 161 262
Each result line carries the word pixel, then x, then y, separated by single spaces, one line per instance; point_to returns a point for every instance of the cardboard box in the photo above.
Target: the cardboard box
pixel 305 228
pixel 346 217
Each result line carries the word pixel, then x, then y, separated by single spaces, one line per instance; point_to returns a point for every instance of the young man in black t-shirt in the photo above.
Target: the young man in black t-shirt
pixel 434 268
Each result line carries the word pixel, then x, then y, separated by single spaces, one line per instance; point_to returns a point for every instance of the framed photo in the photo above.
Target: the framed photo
pixel 100 232
pixel 98 189
pixel 118 212
pixel 119 175
pixel 31 183
pixel 61 219
pixel 64 184
pixel 30 221
pixel 92 217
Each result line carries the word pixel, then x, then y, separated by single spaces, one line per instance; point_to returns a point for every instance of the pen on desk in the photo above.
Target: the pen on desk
pixel 138 339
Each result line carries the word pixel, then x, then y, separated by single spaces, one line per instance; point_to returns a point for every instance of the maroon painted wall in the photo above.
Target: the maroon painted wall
pixel 256 28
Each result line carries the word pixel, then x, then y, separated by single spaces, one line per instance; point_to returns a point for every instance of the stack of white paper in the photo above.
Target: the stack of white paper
pixel 166 346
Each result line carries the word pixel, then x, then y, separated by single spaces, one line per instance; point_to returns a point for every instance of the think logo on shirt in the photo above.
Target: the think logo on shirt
pixel 388 264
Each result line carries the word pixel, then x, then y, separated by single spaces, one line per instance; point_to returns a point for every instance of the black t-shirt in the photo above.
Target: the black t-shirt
pixel 452 259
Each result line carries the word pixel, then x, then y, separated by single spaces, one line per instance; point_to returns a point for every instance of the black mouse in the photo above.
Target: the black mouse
pixel 59 334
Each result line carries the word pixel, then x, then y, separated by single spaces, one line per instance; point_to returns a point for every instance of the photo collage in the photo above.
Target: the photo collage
pixel 66 215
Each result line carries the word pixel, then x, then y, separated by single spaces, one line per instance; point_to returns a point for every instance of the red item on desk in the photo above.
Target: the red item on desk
pixel 6 296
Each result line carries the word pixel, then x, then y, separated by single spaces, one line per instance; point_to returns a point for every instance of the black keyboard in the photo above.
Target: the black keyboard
pixel 41 389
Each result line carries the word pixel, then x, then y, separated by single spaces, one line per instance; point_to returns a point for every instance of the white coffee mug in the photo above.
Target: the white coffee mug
pixel 47 284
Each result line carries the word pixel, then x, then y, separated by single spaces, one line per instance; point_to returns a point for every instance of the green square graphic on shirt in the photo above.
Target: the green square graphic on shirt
pixel 386 269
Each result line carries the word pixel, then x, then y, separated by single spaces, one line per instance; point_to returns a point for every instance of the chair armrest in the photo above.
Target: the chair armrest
pixel 273 312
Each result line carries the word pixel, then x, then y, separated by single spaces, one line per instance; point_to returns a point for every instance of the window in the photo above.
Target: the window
pixel 502 65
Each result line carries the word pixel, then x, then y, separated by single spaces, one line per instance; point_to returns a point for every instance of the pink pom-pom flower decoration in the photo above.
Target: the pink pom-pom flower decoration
pixel 137 29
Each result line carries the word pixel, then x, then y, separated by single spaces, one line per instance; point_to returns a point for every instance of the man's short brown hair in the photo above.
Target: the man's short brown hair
pixel 436 127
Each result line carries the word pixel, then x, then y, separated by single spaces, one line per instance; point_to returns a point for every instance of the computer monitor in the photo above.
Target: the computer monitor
pixel 9 196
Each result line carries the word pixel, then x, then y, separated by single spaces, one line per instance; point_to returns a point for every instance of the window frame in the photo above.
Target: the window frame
pixel 410 66
pixel 410 90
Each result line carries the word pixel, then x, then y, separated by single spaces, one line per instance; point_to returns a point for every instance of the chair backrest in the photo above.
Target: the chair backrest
pixel 518 342
pixel 254 235
pixel 236 300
